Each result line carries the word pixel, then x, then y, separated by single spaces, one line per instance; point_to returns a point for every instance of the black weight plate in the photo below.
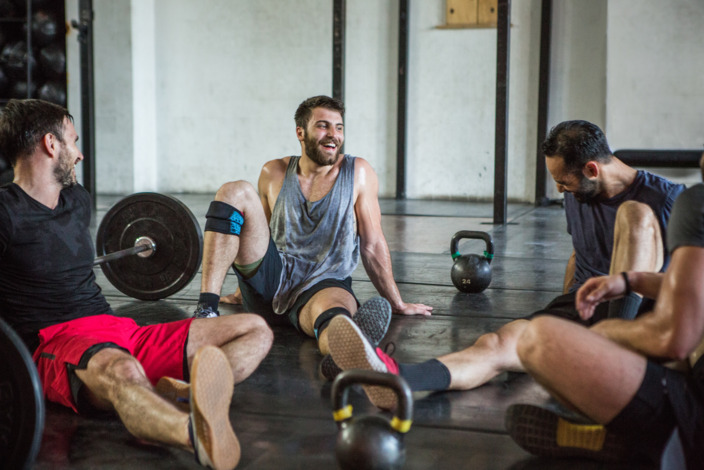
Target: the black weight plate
pixel 176 233
pixel 21 402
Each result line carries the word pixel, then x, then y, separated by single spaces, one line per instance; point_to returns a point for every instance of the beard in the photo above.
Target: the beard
pixel 315 154
pixel 64 171
pixel 587 192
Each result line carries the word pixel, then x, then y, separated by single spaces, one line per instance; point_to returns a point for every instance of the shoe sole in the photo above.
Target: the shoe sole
pixel 373 318
pixel 175 391
pixel 351 350
pixel 544 433
pixel 212 386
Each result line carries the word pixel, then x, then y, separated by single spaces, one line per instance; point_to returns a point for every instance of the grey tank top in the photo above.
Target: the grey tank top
pixel 316 240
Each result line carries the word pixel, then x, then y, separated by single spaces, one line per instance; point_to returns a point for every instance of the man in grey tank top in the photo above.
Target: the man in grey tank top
pixel 295 240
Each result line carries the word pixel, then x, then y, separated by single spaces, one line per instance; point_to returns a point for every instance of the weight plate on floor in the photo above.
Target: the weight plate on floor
pixel 21 402
pixel 176 233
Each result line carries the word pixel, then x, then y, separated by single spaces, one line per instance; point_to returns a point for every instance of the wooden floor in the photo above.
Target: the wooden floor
pixel 282 413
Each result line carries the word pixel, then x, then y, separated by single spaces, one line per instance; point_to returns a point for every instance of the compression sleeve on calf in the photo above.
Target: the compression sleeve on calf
pixel 223 218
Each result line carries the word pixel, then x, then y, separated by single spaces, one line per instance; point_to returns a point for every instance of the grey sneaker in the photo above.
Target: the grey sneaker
pixel 204 311
pixel 373 318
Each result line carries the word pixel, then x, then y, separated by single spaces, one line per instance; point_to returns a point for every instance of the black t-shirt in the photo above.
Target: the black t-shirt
pixel 46 261
pixel 591 224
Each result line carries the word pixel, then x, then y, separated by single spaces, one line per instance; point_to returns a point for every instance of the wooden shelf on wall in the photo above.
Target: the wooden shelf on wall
pixel 470 14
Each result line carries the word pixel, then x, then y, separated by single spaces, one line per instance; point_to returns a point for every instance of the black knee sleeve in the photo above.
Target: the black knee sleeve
pixel 223 218
pixel 324 318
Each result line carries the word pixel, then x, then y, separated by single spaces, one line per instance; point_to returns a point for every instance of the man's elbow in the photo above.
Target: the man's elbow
pixel 676 346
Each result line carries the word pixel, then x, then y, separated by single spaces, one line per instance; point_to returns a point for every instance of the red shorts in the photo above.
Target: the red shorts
pixel 159 348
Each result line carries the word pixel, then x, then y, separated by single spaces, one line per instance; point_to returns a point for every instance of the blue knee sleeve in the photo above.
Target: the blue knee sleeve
pixel 223 218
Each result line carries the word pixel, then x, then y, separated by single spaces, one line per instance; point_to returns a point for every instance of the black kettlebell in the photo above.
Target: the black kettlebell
pixel 471 273
pixel 371 442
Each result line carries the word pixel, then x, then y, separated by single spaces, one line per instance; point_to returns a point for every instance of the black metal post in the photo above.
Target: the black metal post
pixel 338 49
pixel 402 107
pixel 28 39
pixel 85 37
pixel 543 101
pixel 501 136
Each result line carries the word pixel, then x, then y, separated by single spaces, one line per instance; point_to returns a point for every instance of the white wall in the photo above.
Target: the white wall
pixel 114 145
pixel 229 74
pixel 655 85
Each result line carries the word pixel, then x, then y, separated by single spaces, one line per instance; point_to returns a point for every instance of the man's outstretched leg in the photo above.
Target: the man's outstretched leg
pixel 490 355
pixel 115 380
pixel 236 231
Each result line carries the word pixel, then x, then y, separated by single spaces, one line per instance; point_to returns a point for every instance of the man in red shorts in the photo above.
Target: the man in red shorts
pixel 87 358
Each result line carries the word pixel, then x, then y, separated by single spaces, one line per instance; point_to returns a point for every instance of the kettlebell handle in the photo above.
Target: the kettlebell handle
pixel 342 411
pixel 454 243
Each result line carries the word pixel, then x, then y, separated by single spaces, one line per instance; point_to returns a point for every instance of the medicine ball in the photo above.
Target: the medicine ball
pixel 19 90
pixel 14 58
pixel 52 61
pixel 45 28
pixel 53 92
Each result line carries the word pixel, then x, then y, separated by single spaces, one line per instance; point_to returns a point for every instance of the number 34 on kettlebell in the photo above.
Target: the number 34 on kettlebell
pixel 471 273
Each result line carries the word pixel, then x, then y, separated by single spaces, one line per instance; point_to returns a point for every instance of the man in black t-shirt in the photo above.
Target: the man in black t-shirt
pixel 87 358
pixel 641 378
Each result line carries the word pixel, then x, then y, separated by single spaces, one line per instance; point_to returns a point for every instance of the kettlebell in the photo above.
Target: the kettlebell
pixel 370 442
pixel 471 273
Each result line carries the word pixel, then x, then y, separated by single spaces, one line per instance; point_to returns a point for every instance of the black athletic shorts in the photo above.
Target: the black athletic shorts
pixel 258 291
pixel 666 398
pixel 563 306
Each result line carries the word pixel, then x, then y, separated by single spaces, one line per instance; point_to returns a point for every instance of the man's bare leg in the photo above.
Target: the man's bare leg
pixel 638 244
pixel 581 368
pixel 221 250
pixel 492 354
pixel 244 338
pixel 322 301
pixel 116 381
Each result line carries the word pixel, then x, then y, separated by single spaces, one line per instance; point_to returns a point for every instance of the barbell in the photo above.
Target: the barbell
pixel 163 234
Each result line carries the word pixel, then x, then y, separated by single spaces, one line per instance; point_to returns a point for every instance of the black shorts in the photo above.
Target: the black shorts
pixel 666 398
pixel 258 291
pixel 563 306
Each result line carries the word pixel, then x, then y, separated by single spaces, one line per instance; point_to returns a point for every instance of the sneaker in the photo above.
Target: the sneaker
pixel 373 318
pixel 205 311
pixel 351 349
pixel 212 384
pixel 176 391
pixel 548 434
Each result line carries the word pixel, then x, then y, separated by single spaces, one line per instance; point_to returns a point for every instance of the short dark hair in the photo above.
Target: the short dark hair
pixel 305 109
pixel 577 142
pixel 23 123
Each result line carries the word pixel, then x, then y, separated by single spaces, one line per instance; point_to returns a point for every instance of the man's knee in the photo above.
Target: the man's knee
pixel 635 214
pixel 116 365
pixel 260 329
pixel 237 193
pixel 533 336
pixel 254 326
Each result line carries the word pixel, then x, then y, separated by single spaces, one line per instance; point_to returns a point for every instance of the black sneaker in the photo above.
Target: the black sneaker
pixel 205 311
pixel 373 318
pixel 545 433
